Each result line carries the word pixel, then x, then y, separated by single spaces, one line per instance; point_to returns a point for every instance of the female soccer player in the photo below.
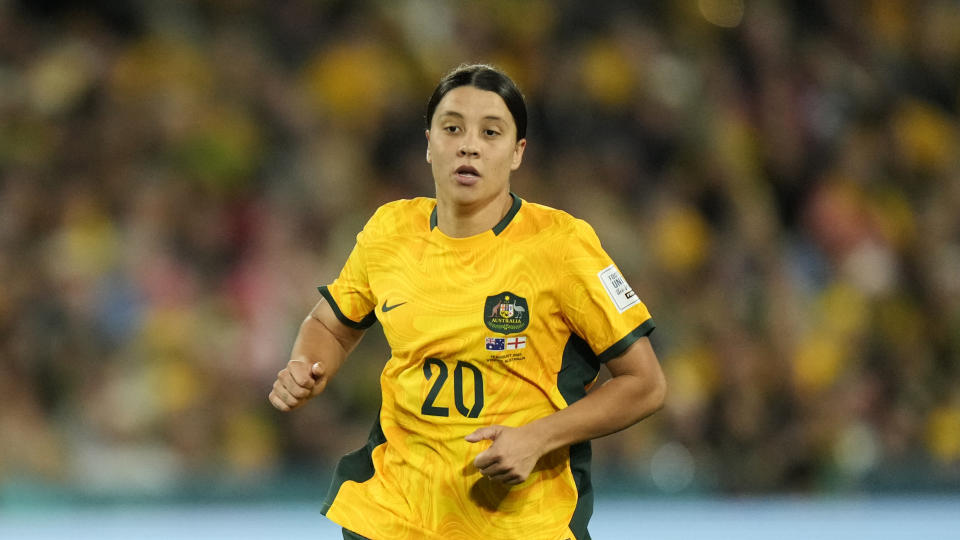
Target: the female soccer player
pixel 499 313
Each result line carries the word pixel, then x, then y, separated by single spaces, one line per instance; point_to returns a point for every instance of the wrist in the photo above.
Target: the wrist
pixel 542 430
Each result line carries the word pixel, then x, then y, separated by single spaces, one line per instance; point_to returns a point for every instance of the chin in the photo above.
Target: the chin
pixel 460 194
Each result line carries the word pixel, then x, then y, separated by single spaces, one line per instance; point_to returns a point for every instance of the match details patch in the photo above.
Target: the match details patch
pixel 617 287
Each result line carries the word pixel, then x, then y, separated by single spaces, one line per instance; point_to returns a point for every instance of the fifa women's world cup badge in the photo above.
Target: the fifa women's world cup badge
pixel 506 313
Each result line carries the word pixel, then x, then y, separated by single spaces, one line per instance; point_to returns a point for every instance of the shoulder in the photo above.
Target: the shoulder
pixel 400 217
pixel 557 236
pixel 542 219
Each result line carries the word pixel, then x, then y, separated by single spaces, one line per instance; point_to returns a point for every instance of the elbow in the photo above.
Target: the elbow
pixel 655 396
pixel 659 393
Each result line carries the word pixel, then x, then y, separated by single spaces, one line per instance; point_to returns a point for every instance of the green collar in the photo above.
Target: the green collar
pixel 499 227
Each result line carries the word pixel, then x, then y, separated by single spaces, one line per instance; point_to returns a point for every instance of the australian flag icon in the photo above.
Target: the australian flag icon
pixel 496 343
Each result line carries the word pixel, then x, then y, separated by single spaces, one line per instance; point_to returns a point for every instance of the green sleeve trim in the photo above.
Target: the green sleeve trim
pixel 367 321
pixel 621 346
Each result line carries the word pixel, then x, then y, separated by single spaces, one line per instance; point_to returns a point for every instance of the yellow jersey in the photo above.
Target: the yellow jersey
pixel 502 328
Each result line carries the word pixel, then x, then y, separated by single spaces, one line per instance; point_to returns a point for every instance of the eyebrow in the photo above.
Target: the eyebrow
pixel 458 115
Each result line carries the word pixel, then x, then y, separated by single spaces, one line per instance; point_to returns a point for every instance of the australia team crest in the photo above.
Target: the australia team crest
pixel 506 313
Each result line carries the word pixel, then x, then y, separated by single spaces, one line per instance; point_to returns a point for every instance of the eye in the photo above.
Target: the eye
pixel 452 129
pixel 491 132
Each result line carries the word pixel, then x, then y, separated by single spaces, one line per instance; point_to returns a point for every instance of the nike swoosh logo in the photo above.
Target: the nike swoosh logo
pixel 387 308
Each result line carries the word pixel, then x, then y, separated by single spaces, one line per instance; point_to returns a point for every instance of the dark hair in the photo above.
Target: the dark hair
pixel 484 77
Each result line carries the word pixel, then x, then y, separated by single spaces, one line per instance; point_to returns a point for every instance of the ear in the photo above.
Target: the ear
pixel 518 154
pixel 427 134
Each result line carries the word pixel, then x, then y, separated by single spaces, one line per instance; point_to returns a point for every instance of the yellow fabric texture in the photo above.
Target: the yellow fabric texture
pixel 449 302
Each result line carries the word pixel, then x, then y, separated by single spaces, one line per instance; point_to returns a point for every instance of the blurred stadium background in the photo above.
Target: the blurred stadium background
pixel 779 180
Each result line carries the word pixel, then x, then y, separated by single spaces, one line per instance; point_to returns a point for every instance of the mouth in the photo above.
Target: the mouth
pixel 467 175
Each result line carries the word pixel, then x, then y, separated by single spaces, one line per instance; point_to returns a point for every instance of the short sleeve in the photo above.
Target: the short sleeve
pixel 596 300
pixel 349 295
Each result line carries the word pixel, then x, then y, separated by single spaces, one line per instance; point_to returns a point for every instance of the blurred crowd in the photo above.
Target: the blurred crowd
pixel 778 180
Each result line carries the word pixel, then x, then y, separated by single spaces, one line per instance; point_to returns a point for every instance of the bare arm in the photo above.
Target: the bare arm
pixel 636 390
pixel 322 345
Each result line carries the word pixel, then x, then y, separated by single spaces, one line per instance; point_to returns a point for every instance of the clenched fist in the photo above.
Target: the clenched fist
pixel 297 383
pixel 512 456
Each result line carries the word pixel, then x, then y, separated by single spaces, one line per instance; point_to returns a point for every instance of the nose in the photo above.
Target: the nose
pixel 468 148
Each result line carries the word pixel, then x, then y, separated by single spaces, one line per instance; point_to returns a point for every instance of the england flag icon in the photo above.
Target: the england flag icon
pixel 518 342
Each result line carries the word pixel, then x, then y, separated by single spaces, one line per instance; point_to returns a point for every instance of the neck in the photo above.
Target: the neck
pixel 461 221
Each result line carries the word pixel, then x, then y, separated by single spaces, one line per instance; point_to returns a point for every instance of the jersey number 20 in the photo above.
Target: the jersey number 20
pixel 430 409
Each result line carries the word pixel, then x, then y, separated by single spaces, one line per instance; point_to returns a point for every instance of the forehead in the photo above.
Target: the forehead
pixel 472 102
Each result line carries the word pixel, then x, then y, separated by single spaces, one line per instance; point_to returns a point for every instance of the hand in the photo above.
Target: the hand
pixel 297 383
pixel 512 456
